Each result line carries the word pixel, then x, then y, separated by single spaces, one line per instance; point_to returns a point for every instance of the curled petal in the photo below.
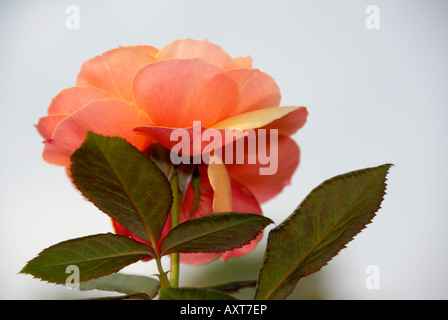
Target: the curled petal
pixel 258 90
pixel 288 125
pixel 287 120
pixel 220 183
pixel 174 93
pixel 193 141
pixel 191 49
pixel 106 117
pixel 114 70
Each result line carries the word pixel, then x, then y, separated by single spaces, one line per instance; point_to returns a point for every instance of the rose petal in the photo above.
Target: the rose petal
pixel 289 124
pixel 258 90
pixel 47 124
pixel 192 141
pixel 191 49
pixel 106 117
pixel 114 70
pixel 220 183
pixel 286 119
pixel 174 93
pixel 66 102
pixel 243 62
pixel 72 99
pixel 198 259
pixel 266 186
pixel 143 48
pixel 242 201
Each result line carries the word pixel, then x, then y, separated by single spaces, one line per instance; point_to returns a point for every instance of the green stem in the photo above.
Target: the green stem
pixel 174 275
pixel 164 282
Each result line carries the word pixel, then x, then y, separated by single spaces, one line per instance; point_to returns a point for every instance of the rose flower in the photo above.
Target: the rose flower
pixel 143 94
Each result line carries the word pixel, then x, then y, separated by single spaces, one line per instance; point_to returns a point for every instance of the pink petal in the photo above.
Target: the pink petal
pixel 258 90
pixel 66 102
pixel 72 99
pixel 174 93
pixel 192 141
pixel 198 259
pixel 265 187
pixel 106 117
pixel 287 120
pixel 290 124
pixel 191 49
pixel 143 48
pixel 47 124
pixel 114 70
pixel 243 62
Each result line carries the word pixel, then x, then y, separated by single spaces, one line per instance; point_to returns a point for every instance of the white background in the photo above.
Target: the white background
pixel 373 96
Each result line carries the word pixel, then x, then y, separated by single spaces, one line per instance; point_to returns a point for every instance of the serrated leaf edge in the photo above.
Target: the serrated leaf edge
pixel 337 250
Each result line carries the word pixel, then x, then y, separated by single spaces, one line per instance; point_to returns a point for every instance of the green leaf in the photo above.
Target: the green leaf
pixel 233 286
pixel 124 183
pixel 327 219
pixel 193 294
pixel 133 285
pixel 95 256
pixel 214 233
pixel 137 296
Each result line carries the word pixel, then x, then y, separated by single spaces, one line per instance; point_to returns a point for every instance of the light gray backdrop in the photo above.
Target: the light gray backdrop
pixel 374 96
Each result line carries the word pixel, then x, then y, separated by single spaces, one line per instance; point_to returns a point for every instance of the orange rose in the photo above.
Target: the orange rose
pixel 142 94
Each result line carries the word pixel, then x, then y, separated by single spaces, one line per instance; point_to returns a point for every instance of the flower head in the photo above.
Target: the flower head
pixel 144 94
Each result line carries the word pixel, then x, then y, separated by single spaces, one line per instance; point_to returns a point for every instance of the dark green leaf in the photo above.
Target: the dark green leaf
pixel 214 233
pixel 327 219
pixel 125 283
pixel 193 294
pixel 94 256
pixel 136 296
pixel 233 286
pixel 124 183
